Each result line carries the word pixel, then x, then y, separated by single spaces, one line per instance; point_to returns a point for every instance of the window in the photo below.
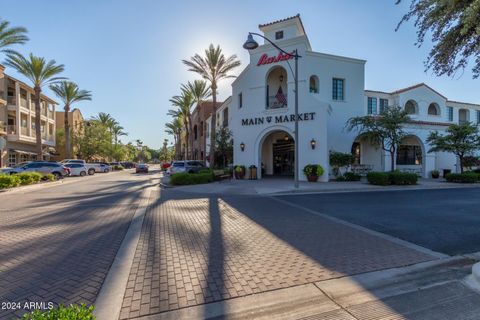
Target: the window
pixel 279 35
pixel 411 107
pixel 225 117
pixel 12 159
pixel 383 105
pixel 201 129
pixel 313 84
pixel 409 155
pixel 433 109
pixel 195 132
pixel 478 116
pixel 240 100
pixel 338 89
pixel 372 105
pixel 450 113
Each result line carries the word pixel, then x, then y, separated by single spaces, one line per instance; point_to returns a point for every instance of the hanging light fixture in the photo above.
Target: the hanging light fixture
pixel 242 146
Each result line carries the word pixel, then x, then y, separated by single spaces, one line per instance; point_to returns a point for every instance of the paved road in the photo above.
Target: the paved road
pixel 57 243
pixel 200 249
pixel 446 220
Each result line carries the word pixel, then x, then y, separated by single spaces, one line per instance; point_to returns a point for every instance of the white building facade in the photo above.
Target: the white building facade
pixel 331 90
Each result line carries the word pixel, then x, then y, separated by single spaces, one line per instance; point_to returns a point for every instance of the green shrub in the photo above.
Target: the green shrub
pixel 117 167
pixel 50 177
pixel 73 312
pixel 378 178
pixel 313 170
pixel 184 178
pixel 27 178
pixel 9 181
pixel 206 171
pixel 466 177
pixel 402 178
pixel 340 179
pixel 350 176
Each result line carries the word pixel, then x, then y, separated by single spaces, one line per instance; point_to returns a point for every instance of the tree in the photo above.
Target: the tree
pixel 385 130
pixel 174 128
pixel 339 160
pixel 94 142
pixel 214 67
pixel 199 91
pixel 184 103
pixel 460 139
pixel 69 93
pixel 454 26
pixel 117 131
pixel 10 36
pixel 40 73
pixel 224 146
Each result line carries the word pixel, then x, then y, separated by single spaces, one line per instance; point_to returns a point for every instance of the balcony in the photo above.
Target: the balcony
pixel 277 101
pixel 23 131
pixel 11 100
pixel 23 103
pixel 11 129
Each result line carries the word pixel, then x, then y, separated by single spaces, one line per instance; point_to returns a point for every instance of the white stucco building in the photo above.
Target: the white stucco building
pixel 260 111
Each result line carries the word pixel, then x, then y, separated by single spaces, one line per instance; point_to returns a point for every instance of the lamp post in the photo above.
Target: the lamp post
pixel 251 44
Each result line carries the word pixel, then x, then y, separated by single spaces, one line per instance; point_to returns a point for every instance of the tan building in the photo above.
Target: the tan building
pixel 17 122
pixel 199 139
pixel 75 120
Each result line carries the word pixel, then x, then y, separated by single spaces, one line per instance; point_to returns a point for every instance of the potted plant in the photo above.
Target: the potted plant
pixel 435 174
pixel 239 172
pixel 312 172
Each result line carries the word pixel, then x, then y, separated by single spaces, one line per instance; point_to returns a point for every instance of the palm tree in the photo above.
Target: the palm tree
pixel 40 73
pixel 184 103
pixel 174 128
pixel 214 67
pixel 10 36
pixel 117 131
pixel 105 119
pixel 199 91
pixel 69 93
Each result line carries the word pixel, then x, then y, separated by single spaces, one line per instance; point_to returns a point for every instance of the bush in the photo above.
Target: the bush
pixel 73 312
pixel 350 176
pixel 313 170
pixel 9 181
pixel 378 178
pixel 340 179
pixel 395 178
pixel 184 178
pixel 27 178
pixel 339 160
pixel 49 177
pixel 402 178
pixel 117 167
pixel 466 177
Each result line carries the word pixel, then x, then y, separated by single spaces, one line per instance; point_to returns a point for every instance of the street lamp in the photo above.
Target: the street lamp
pixel 251 44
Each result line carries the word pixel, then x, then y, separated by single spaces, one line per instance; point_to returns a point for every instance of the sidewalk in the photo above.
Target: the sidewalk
pixel 269 186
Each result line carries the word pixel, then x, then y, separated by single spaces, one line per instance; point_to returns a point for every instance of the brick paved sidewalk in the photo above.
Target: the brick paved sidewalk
pixel 196 251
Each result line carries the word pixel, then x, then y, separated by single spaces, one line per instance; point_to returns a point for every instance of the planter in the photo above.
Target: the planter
pixel 312 178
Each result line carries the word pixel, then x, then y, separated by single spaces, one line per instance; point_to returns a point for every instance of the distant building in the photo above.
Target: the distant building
pixel 17 122
pixel 198 137
pixel 75 120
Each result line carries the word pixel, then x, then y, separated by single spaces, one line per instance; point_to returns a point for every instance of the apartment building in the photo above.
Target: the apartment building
pixel 17 122
pixel 75 120
pixel 199 116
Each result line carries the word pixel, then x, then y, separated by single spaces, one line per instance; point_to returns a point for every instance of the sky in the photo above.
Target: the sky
pixel 129 52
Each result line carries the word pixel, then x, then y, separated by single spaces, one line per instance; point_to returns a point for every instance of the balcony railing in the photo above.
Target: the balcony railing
pixel 51 114
pixel 23 103
pixel 11 100
pixel 23 131
pixel 277 101
pixel 11 129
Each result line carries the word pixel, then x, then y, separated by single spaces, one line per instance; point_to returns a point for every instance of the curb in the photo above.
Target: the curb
pixel 473 280
pixel 110 298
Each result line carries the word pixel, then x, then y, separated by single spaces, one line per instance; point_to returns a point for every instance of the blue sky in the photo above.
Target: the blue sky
pixel 128 52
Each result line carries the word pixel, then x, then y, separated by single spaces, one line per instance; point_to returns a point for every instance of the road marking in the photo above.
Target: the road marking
pixel 109 300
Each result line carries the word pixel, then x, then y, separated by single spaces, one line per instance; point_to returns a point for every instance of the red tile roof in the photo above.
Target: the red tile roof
pixel 417 86
pixel 277 21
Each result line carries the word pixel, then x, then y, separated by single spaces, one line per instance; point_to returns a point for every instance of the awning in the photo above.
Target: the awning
pixel 23 152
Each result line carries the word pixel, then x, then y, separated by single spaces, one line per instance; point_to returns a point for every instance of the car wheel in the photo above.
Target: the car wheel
pixel 91 172
pixel 83 174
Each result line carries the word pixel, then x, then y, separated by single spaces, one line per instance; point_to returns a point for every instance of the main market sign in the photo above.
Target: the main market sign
pixel 307 116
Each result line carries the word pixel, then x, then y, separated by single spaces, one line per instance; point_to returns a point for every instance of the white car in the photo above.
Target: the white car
pixel 177 166
pixel 77 169
pixel 91 167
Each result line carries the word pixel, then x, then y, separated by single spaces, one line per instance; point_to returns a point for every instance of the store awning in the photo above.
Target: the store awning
pixel 23 152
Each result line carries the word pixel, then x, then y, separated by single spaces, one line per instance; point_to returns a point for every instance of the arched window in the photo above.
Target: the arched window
pixel 463 116
pixel 276 95
pixel 411 107
pixel 433 109
pixel 313 84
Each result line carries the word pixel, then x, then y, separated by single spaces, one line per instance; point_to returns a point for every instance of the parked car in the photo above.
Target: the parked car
pixel 43 167
pixel 91 167
pixel 127 165
pixel 190 166
pixel 7 170
pixel 141 167
pixel 77 169
pixel 105 167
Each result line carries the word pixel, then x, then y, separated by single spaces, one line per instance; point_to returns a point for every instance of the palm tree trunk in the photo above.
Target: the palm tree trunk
pixel 38 123
pixel 67 132
pixel 214 124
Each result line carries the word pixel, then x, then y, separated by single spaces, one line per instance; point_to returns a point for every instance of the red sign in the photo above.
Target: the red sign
pixel 265 59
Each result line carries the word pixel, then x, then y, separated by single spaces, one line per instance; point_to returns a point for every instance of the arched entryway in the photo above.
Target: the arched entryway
pixel 411 155
pixel 277 154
